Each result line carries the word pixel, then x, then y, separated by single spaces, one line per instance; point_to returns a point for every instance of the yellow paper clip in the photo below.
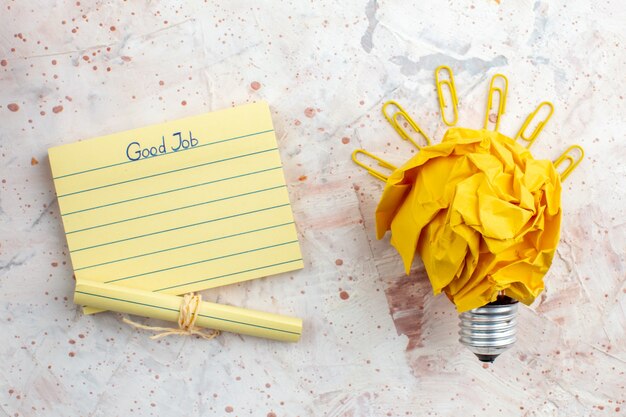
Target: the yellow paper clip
pixel 571 160
pixel 502 99
pixel 372 171
pixel 533 136
pixel 395 123
pixel 442 101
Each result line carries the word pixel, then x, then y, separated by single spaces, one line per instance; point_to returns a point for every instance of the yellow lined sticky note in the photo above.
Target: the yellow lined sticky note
pixel 181 206
pixel 166 307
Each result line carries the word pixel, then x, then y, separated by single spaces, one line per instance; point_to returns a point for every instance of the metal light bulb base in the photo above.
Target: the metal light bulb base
pixel 491 329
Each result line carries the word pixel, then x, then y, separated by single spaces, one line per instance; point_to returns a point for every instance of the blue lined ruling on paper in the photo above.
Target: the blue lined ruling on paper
pixel 183 206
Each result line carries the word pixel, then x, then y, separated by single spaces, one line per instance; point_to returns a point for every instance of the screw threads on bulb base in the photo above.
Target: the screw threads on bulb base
pixel 489 330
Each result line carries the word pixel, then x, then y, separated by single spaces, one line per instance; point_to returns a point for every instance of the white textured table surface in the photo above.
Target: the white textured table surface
pixel 375 341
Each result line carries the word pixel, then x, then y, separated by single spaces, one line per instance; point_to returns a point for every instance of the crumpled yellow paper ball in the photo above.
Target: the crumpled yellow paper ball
pixel 482 213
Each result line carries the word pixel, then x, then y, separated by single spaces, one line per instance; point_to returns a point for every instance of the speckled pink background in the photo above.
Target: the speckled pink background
pixel 375 343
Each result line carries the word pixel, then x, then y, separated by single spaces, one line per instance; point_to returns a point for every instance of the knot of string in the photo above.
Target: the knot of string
pixel 187 316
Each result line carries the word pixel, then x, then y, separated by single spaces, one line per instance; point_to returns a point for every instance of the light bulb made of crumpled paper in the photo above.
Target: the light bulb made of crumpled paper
pixel 481 212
